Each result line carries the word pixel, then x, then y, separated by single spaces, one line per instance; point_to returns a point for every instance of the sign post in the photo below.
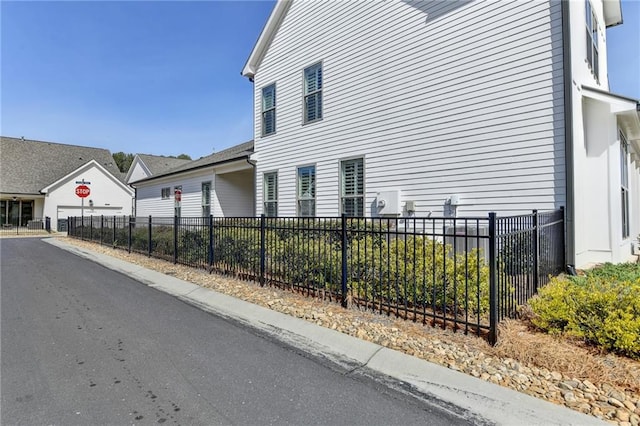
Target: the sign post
pixel 82 191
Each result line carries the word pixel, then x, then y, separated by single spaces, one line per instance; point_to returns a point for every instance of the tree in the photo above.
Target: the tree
pixel 123 161
pixel 184 157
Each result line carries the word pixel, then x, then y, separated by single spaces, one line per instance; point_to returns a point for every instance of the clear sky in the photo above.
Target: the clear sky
pixel 162 77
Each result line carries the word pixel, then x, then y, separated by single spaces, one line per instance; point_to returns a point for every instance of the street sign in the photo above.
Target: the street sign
pixel 83 191
pixel 178 195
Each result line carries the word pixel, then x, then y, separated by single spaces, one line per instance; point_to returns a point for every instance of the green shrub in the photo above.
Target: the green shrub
pixel 601 310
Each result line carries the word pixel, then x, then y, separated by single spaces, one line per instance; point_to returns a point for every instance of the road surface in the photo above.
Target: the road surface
pixel 82 344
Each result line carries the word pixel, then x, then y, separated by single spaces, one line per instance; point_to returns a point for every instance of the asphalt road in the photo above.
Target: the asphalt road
pixel 82 344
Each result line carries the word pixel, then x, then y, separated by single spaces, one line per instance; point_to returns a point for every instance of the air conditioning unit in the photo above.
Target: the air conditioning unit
pixel 466 238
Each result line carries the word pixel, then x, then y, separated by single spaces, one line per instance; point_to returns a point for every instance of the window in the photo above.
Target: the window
pixel 177 195
pixel 313 93
pixel 206 199
pixel 166 193
pixel 352 187
pixel 271 194
pixel 592 39
pixel 624 184
pixel 269 110
pixel 307 191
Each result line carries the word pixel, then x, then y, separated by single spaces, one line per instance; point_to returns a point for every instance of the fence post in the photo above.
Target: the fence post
pixel 343 280
pixel 262 248
pixel 101 227
pixel 149 246
pixel 536 253
pixel 493 288
pixel 82 228
pixel 69 228
pixel 47 224
pixel 114 232
pixel 91 228
pixel 210 243
pixel 129 236
pixel 175 239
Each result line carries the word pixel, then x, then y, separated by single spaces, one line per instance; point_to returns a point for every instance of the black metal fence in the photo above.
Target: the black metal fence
pixel 33 226
pixel 463 273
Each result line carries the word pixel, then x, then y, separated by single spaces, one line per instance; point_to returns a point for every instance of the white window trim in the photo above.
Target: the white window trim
pixel 364 180
pixel 265 200
pixel 298 195
pixel 318 91
pixel 263 111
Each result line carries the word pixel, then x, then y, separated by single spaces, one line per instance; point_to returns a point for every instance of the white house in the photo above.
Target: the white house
pixel 221 184
pixel 447 107
pixel 145 165
pixel 39 179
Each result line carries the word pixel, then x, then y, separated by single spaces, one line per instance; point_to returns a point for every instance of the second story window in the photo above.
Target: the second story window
pixel 592 39
pixel 313 93
pixel 269 110
pixel 271 194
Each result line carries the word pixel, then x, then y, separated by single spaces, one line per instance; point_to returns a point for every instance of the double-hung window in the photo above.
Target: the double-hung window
pixel 307 191
pixel 592 39
pixel 313 93
pixel 352 187
pixel 624 184
pixel 269 110
pixel 166 193
pixel 206 199
pixel 271 194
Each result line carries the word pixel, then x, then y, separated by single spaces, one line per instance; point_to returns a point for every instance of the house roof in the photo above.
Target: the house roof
pixel 159 164
pixel 237 152
pixel 268 32
pixel 27 166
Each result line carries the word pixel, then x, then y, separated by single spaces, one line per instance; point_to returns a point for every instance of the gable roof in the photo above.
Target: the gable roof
pixel 234 153
pixel 155 164
pixel 267 34
pixel 27 166
pixel 88 165
pixel 160 164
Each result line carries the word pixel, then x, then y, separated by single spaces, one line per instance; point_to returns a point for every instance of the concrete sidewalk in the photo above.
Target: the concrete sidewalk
pixel 485 400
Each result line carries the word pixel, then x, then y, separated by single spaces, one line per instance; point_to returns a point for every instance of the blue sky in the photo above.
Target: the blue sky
pixel 161 77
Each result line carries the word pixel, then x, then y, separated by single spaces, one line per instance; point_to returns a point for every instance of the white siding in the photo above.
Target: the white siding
pixel 234 194
pixel 231 194
pixel 109 197
pixel 138 172
pixel 466 100
pixel 149 195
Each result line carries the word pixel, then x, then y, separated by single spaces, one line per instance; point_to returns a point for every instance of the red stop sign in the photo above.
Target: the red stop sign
pixel 178 195
pixel 82 191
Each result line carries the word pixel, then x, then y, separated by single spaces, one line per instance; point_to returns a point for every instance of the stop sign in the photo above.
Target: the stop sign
pixel 82 191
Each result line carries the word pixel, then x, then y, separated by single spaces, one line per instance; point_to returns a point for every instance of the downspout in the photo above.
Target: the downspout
pixel 255 190
pixel 570 249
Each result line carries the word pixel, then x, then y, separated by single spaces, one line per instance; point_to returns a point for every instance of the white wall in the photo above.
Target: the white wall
pixel 150 202
pixel 231 193
pixel 138 172
pixel 234 194
pixel 109 196
pixel 439 97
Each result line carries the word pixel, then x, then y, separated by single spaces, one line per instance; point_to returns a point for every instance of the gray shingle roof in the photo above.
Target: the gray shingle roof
pixel 27 166
pixel 236 152
pixel 159 164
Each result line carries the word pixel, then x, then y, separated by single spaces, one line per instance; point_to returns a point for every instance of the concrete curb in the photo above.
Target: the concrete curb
pixel 486 400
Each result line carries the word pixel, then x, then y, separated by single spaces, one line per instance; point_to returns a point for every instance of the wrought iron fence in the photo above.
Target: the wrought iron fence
pixel 18 226
pixel 463 273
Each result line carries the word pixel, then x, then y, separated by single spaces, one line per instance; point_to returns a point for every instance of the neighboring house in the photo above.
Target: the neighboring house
pixel 39 179
pixel 447 108
pixel 220 184
pixel 144 166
